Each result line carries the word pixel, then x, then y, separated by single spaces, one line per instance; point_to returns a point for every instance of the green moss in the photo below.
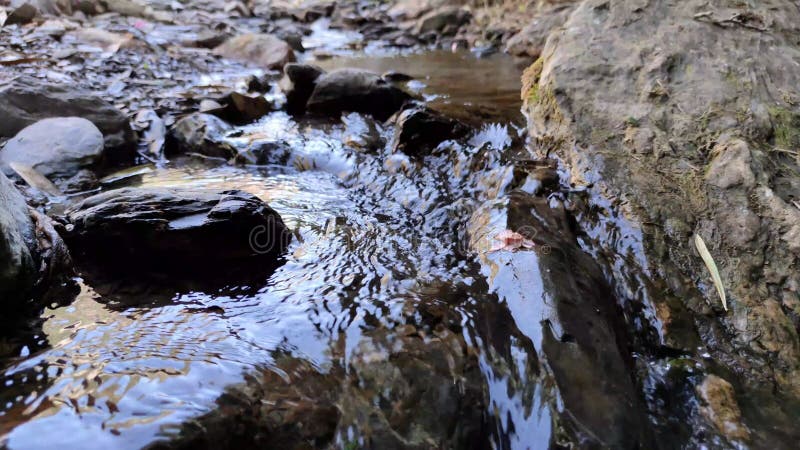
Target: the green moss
pixel 530 81
pixel 786 128
pixel 632 121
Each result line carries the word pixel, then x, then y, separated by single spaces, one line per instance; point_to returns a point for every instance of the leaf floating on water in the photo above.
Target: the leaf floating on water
pixel 712 267
pixel 36 179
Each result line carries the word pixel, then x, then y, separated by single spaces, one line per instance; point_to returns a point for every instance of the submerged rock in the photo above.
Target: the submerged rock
pixel 721 409
pixel 298 83
pixel 25 100
pixel 182 232
pixel 32 255
pixel 263 50
pixel 354 90
pixel 56 147
pixel 200 133
pixel 420 130
pixel 577 323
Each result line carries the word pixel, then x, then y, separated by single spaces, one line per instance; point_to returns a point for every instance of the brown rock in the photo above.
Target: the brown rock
pixel 721 409
pixel 263 50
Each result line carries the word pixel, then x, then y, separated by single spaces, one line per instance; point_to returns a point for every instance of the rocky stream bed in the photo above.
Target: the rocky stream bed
pixel 413 224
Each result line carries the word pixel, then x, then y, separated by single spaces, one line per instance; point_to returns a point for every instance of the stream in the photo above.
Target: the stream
pixel 379 264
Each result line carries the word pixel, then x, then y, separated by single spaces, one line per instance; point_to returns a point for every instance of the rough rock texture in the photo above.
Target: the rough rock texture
pixel 178 231
pixel 686 116
pixel 420 130
pixel 200 133
pixel 720 407
pixel 25 100
pixel 32 255
pixel 263 50
pixel 56 147
pixel 357 91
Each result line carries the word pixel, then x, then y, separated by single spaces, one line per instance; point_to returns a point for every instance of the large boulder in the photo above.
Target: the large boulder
pixel 25 100
pixel 188 233
pixel 355 90
pixel 686 115
pixel 263 50
pixel 58 147
pixel 32 254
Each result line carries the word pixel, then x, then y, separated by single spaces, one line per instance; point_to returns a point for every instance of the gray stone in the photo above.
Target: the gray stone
pixel 56 147
pixel 263 50
pixel 200 133
pixel 25 100
pixel 32 255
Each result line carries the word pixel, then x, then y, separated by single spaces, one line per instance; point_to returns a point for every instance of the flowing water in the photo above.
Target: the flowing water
pixel 381 304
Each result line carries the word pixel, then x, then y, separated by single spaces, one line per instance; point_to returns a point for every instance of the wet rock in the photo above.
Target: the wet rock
pixel 355 90
pixel 420 130
pixel 535 176
pixel 200 133
pixel 25 100
pixel 446 21
pixel 56 147
pixel 32 255
pixel 22 15
pixel 578 325
pixel 181 232
pixel 393 76
pixel 713 165
pixel 263 50
pixel 721 409
pixel 298 83
pixel 83 181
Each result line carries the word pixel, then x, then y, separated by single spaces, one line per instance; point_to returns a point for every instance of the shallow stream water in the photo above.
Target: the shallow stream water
pixel 378 259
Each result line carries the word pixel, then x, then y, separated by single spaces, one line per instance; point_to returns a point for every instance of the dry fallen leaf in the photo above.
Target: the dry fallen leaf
pixel 712 267
pixel 35 179
pixel 510 240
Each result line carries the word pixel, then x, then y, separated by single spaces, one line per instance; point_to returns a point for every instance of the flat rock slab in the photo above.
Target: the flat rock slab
pixel 175 231
pixel 25 100
pixel 57 147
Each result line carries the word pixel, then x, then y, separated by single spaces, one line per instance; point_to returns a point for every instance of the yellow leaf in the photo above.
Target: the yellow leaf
pixel 712 267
